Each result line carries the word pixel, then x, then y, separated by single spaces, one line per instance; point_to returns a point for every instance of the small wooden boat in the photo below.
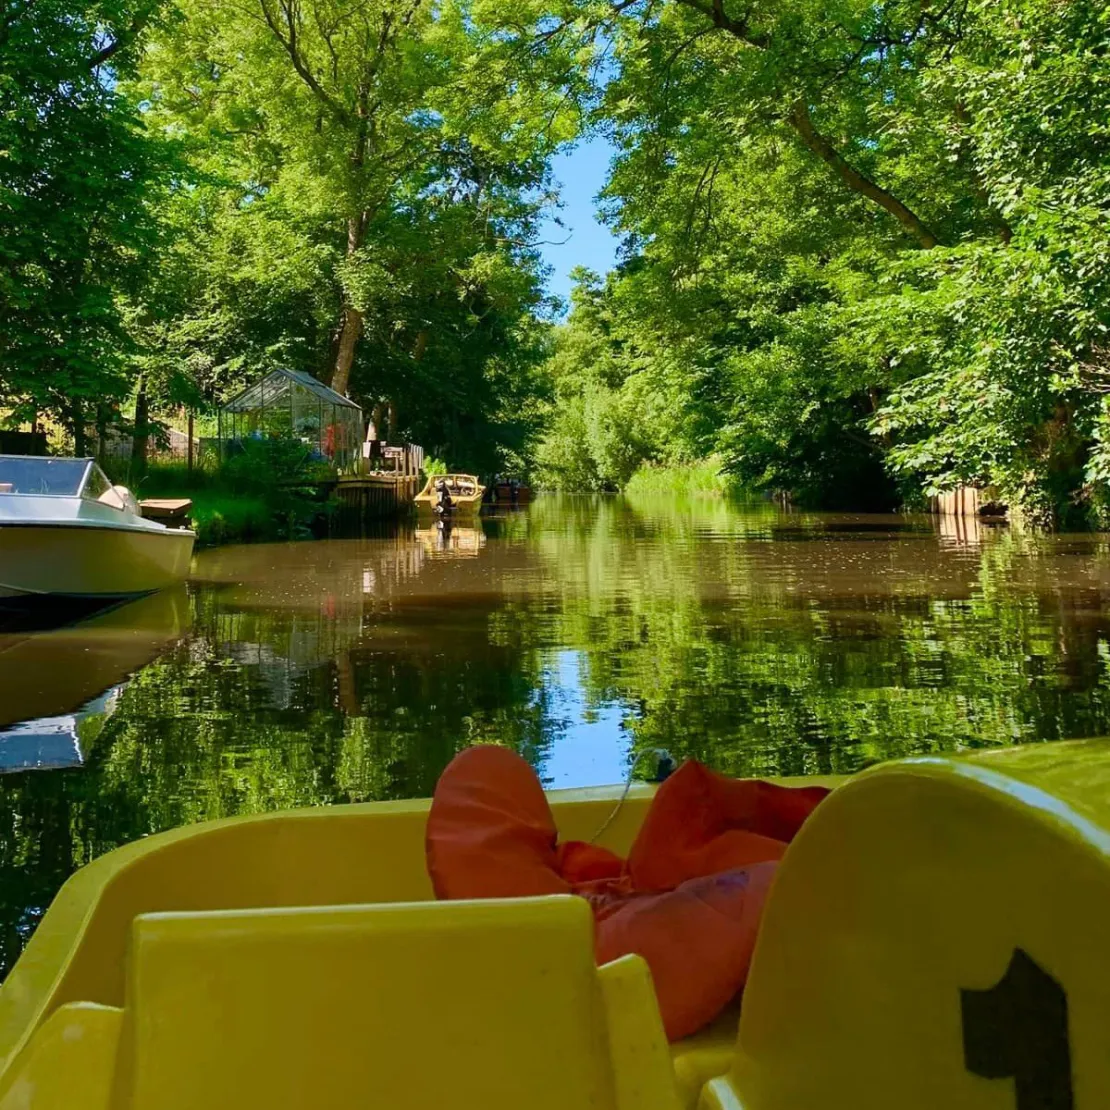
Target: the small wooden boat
pixel 67 532
pixel 464 493
pixel 511 492
pixel 935 937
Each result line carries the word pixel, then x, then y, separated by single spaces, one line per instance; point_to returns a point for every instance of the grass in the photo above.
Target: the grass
pixel 699 479
pixel 230 518
pixel 221 513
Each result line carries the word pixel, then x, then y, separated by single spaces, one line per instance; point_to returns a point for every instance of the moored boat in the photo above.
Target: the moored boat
pixel 67 532
pixel 930 912
pixel 510 492
pixel 451 494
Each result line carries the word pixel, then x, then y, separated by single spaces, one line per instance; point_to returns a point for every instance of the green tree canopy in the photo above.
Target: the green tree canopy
pixel 871 235
pixel 79 181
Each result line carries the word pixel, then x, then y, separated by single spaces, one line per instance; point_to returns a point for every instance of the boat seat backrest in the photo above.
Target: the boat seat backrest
pixel 936 937
pixel 494 1004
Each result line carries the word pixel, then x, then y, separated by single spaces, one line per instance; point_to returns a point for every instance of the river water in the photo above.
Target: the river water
pixel 585 632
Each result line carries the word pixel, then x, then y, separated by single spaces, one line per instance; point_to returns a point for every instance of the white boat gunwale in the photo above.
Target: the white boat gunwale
pixel 95 525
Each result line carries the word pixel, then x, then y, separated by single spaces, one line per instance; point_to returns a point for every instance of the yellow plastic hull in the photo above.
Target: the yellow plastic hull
pixel 90 562
pixel 930 915
pixel 459 505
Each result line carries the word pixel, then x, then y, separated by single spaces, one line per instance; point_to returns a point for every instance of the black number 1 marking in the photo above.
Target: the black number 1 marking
pixel 1019 1029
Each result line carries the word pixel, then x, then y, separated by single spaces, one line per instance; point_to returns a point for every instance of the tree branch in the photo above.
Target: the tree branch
pixel 290 45
pixel 121 41
pixel 800 120
pixel 739 28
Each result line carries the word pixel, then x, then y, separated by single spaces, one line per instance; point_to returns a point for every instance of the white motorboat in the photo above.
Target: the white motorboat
pixel 66 531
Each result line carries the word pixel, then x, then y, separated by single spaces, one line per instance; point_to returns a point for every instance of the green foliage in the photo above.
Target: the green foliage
pixel 866 251
pixel 193 194
pixel 269 490
pixel 1009 347
pixel 865 246
pixel 606 418
pixel 700 479
pixel 371 163
pixel 220 518
pixel 79 179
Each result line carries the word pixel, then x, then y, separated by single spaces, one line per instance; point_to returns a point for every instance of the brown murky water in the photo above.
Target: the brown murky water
pixel 582 632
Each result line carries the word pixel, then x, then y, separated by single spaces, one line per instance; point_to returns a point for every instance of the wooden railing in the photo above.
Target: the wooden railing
pixel 379 457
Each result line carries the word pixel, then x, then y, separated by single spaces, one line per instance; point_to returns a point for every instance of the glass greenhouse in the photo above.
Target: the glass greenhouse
pixel 292 404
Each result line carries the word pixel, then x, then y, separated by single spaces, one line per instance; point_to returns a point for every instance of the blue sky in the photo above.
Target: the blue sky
pixel 580 174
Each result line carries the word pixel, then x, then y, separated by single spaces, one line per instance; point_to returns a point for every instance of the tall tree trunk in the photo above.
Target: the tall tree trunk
pixel 189 445
pixel 350 329
pixel 802 123
pixel 350 323
pixel 77 423
pixel 141 435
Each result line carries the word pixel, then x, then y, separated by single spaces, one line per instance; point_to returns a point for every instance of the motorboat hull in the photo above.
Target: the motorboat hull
pixel 465 490
pixel 463 506
pixel 89 561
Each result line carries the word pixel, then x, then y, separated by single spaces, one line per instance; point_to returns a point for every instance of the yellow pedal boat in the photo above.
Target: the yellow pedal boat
pixel 936 938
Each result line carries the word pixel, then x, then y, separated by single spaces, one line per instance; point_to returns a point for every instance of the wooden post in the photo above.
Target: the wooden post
pixel 141 436
pixel 189 447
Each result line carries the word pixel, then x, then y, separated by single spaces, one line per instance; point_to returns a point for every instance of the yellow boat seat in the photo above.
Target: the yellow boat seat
pixel 704 1055
pixel 70 1061
pixel 937 938
pixel 492 1004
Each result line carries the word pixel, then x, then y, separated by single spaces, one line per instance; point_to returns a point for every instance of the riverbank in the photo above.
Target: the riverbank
pixel 698 479
pixel 219 518
pixel 243 501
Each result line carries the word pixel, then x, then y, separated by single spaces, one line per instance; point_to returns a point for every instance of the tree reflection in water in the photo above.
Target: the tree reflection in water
pixel 578 633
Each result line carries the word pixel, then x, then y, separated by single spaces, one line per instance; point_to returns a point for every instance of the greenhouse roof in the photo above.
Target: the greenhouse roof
pixel 276 385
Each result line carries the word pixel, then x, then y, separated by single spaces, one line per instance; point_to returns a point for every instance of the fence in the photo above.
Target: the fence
pixel 380 457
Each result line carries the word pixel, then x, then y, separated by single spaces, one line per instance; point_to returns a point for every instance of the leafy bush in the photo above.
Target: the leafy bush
pixel 220 518
pixel 269 490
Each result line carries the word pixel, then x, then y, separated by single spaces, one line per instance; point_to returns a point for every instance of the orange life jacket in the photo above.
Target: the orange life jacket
pixel 688 898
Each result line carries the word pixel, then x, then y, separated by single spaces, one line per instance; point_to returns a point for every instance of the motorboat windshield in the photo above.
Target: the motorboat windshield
pixel 42 477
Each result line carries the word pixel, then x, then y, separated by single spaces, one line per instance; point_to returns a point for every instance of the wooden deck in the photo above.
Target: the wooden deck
pixel 376 494
pixel 172 512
